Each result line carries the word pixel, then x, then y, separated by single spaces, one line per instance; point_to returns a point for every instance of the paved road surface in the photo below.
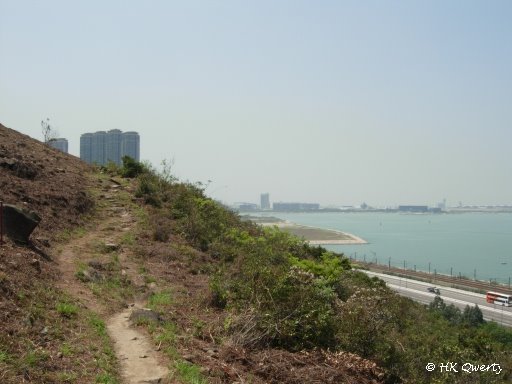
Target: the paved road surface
pixel 417 291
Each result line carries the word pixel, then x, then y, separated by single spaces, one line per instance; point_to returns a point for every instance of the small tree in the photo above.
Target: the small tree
pixel 449 312
pixel 437 304
pixel 49 133
pixel 473 316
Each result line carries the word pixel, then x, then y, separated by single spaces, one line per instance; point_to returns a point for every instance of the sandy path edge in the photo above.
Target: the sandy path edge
pixel 137 355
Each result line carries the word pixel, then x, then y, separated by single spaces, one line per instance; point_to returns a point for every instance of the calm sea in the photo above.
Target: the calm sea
pixel 472 244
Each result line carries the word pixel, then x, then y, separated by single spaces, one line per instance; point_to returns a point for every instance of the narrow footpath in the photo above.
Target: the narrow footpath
pixel 138 356
pixel 97 270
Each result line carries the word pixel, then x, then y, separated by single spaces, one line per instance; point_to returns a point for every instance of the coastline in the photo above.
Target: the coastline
pixel 317 236
pixel 355 240
pixel 452 251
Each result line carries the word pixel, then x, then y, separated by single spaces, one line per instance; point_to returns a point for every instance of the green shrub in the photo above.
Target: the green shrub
pixel 147 189
pixel 131 168
pixel 279 301
pixel 219 291
pixel 498 333
pixel 162 229
pixel 472 316
pixel 365 318
pixel 112 168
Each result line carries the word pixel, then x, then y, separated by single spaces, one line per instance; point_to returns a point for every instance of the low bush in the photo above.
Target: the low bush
pixel 131 168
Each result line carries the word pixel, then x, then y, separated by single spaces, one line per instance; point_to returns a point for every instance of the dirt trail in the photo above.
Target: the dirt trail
pixel 139 360
pixel 68 259
pixel 137 355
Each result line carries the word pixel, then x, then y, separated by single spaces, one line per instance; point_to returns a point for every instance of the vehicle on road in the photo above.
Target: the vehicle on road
pixel 434 290
pixel 499 298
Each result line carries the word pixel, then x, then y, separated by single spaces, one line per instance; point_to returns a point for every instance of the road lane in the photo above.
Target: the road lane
pixel 417 290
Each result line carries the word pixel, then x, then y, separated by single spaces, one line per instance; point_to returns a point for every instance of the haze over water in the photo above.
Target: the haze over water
pixel 464 242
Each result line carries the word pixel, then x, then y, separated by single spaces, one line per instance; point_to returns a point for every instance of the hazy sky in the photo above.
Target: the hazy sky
pixel 336 102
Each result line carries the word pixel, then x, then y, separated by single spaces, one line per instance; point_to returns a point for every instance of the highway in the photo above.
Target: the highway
pixel 417 290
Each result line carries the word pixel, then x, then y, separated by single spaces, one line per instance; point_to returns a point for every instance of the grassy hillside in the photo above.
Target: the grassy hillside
pixel 46 335
pixel 236 302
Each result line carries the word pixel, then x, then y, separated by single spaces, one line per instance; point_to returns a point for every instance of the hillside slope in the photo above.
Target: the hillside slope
pixel 44 180
pixel 53 316
pixel 229 301
pixel 40 325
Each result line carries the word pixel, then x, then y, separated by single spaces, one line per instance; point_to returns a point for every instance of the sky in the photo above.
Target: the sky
pixel 334 102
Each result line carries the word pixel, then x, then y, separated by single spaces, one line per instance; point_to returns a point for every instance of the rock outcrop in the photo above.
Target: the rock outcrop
pixel 19 223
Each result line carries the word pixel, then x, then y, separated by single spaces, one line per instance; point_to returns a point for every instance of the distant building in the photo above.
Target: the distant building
pixel 244 207
pixel 265 201
pixel 131 145
pixel 295 207
pixel 442 205
pixel 98 148
pixel 413 208
pixel 113 141
pixel 60 144
pixel 103 147
pixel 86 147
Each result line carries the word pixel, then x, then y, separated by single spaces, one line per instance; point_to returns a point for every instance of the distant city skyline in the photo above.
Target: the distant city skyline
pixel 267 204
pixel 335 102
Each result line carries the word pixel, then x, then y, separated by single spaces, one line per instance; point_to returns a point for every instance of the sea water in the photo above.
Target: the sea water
pixel 474 245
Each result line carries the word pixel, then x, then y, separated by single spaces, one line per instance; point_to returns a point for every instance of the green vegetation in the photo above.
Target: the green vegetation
pixel 115 287
pixel 131 168
pixel 98 325
pixel 156 300
pixel 128 239
pixel 68 234
pixel 67 309
pixel 189 373
pixel 165 335
pixel 105 357
pixel 471 316
pixel 59 327
pixel 105 378
pixel 34 357
pixel 278 287
pixel 66 350
pixel 278 291
pixel 109 283
pixel 4 356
